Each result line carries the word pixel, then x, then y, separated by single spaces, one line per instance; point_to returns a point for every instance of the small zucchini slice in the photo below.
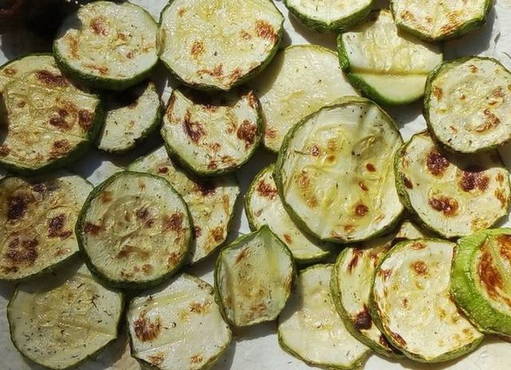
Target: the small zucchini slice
pixel 387 66
pixel 264 207
pixel 49 122
pixel 284 102
pixel 253 278
pixel 60 322
pixel 211 202
pixel 212 136
pixel 311 329
pixel 107 45
pixel 451 194
pixel 334 172
pixel 131 116
pixel 218 45
pixel 134 230
pixel 37 221
pixel 412 306
pixel 471 94
pixel 178 326
pixel 411 231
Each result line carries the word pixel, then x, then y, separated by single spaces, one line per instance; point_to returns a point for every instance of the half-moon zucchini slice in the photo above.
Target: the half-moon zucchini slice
pixel 220 44
pixel 37 221
pixel 48 121
pixel 412 306
pixel 253 278
pixel 60 322
pixel 334 172
pixel 108 45
pixel 134 230
pixel 212 136
pixel 211 202
pixel 451 194
pixel 178 326
pixel 411 231
pixel 467 104
pixel 311 329
pixel 387 66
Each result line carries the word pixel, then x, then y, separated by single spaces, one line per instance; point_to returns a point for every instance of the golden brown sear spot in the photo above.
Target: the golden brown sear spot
pixel 128 250
pixel 448 206
pixel 436 163
pixel 106 197
pixel 490 121
pixel 247 132
pixel 398 338
pixel 354 260
pixel 385 273
pixel 270 133
pixel 363 319
pixel 197 231
pixel 4 150
pixel 194 130
pixel 361 210
pixel 98 26
pixel 489 275
pixel 499 194
pixel 22 251
pixel 418 246
pixel 156 359
pixel 420 267
pixel 50 79
pixel 504 241
pixel 60 148
pixel 206 188
pixel 197 49
pixel 200 308
pixel 173 222
pixel 85 119
pixel 56 227
pixel 315 151
pixel 217 233
pixel 90 228
pixel 437 92
pixel 473 68
pixel 145 329
pixel 101 69
pixel 474 178
pixel 370 167
pixel 9 71
pixel 288 238
pixel 266 31
pixel 217 71
pixel 266 190
pixel 242 255
pixel 196 359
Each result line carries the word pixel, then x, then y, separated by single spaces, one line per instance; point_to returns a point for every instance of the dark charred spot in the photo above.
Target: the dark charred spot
pixel 163 170
pixel 266 190
pixel 173 259
pixel 59 122
pixel 51 79
pixel 56 227
pixel 147 268
pixel 407 182
pixel 173 222
pixel 22 251
pixel 252 100
pixel 363 186
pixel 218 71
pixel 474 178
pixel 437 92
pixel 266 31
pixel 361 210
pixel 60 148
pixel 98 26
pixel 315 151
pixel 197 49
pixel 473 68
pixel 398 339
pixel 235 75
pixel 106 197
pixel 142 214
pixel 385 273
pixel 145 329
pixel 384 342
pixel 17 206
pixel 436 163
pixel 90 228
pixel 288 238
pixel 247 132
pixel 197 231
pixel 420 267
pixel 448 206
pixel 194 130
pixel 85 119
pixel 4 150
pixel 206 188
pixel 363 320
pixel 217 233
pixel 354 260
pixel 370 167
pixel 212 165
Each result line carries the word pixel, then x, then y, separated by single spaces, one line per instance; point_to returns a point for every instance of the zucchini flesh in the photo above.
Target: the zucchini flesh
pixel 410 231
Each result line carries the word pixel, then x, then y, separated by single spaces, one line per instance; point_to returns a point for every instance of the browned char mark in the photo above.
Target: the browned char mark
pixel 145 329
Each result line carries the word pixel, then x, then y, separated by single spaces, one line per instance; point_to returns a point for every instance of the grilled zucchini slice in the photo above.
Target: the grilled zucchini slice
pixel 334 172
pixel 48 121
pixel 412 306
pixel 211 202
pixel 108 45
pixel 387 66
pixel 467 104
pixel 216 45
pixel 284 102
pixel 60 322
pixel 311 329
pixel 212 136
pixel 411 231
pixel 134 230
pixel 451 194
pixel 253 278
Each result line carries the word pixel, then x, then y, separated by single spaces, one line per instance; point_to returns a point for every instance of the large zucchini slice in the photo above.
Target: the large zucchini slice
pixel 412 306
pixel 108 45
pixel 134 230
pixel 211 202
pixel 48 121
pixel 311 329
pixel 285 102
pixel 178 326
pixel 451 194
pixel 60 322
pixel 212 136
pixel 468 104
pixel 334 172
pixel 387 66
pixel 218 44
pixel 253 278
pixel 37 221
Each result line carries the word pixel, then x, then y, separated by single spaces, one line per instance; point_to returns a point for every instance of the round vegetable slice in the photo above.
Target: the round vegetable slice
pixel 467 104
pixel 211 202
pixel 451 194
pixel 334 172
pixel 311 329
pixel 212 136
pixel 134 230
pixel 60 322
pixel 387 66
pixel 108 45
pixel 253 278
pixel 411 304
pixel 48 121
pixel 179 326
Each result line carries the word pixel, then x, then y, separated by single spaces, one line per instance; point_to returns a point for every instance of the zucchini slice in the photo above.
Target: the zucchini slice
pixel 467 104
pixel 253 278
pixel 37 221
pixel 216 45
pixel 211 202
pixel 212 136
pixel 108 45
pixel 387 66
pixel 411 231
pixel 451 194
pixel 264 207
pixel 134 230
pixel 48 121
pixel 285 102
pixel 60 322
pixel 412 306
pixel 311 329
pixel 178 326
pixel 130 118
pixel 334 172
